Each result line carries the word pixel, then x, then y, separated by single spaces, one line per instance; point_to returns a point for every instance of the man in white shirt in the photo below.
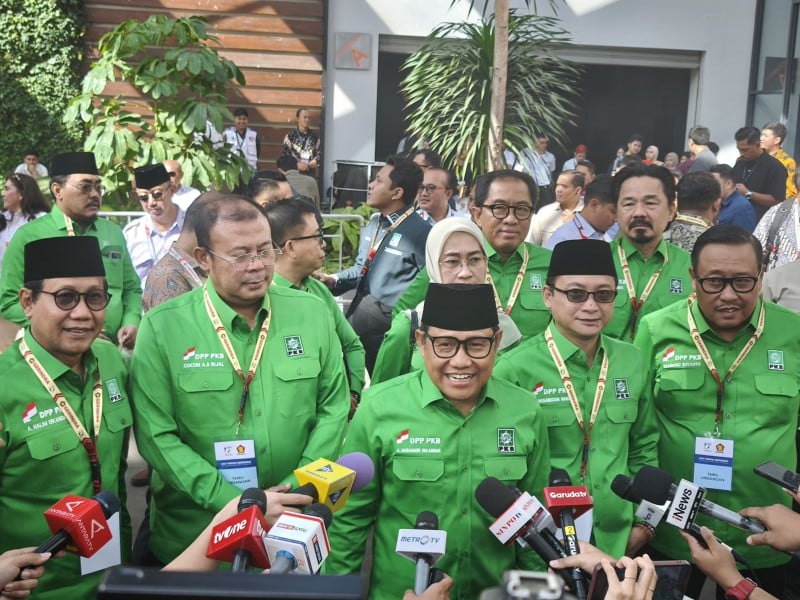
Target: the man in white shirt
pixel 31 166
pixel 569 192
pixel 434 196
pixel 184 195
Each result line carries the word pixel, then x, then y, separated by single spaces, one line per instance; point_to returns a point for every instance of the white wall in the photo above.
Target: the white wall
pixel 722 31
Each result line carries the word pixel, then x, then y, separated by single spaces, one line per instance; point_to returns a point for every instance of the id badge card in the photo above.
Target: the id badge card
pixel 713 463
pixel 109 555
pixel 236 462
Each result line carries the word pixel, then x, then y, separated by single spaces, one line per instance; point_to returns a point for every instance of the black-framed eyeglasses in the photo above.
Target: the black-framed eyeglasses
pixel 430 188
pixel 88 188
pixel 69 299
pixel 319 236
pixel 579 296
pixel 500 211
pixel 241 262
pixel 715 285
pixel 157 195
pixel 445 346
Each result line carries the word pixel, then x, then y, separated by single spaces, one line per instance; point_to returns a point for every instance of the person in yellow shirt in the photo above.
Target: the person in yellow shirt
pixel 772 136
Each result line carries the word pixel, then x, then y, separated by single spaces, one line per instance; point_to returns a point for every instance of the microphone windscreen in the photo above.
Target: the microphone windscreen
pixel 427 520
pixel 559 477
pixel 362 465
pixel 321 511
pixel 108 502
pixel 621 486
pixel 307 490
pixel 493 496
pixel 253 496
pixel 652 484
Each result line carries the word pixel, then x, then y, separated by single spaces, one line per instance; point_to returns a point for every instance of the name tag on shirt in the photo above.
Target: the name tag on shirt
pixel 236 462
pixel 109 555
pixel 713 463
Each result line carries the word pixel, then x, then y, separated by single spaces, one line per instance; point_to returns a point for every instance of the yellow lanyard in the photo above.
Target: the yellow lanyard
pixel 225 340
pixel 703 350
pixel 517 285
pixel 563 372
pixel 70 227
pixel 61 401
pixel 626 272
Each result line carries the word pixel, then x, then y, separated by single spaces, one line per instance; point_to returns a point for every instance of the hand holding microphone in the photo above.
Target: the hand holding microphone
pixel 20 570
pixel 783 527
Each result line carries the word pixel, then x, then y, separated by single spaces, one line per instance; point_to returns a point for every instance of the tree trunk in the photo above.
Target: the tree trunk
pixel 499 81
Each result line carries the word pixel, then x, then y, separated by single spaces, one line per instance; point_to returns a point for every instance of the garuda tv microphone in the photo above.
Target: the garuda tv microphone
pixel 80 523
pixel 565 503
pixel 515 518
pixel 240 539
pixel 298 542
pixel 331 482
pixel 424 546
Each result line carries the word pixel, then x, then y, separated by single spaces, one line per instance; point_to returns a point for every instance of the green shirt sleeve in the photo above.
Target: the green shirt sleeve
pixel 394 356
pixel 131 292
pixel 352 348
pixel 414 294
pixel 11 279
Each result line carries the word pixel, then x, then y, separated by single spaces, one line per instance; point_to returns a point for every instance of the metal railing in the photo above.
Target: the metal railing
pixel 123 217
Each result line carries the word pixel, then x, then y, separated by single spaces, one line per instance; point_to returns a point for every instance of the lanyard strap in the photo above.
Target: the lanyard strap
pixel 378 241
pixel 194 278
pixel 651 283
pixel 61 401
pixel 70 226
pixel 517 285
pixel 225 340
pixel 703 350
pixel 579 227
pixel 563 372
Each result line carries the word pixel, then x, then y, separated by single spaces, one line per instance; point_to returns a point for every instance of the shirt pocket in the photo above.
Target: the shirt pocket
pixel 298 385
pixel 557 417
pixel 531 299
pixel 46 445
pixel 118 416
pixel 204 387
pixel 112 261
pixel 774 407
pixel 508 469
pixel 679 406
pixel 407 468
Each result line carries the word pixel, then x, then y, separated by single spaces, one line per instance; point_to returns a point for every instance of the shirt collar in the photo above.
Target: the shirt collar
pixel 60 220
pixel 54 367
pixel 566 348
pixel 630 249
pixel 490 251
pixel 431 394
pixel 227 315
pixel 393 216
pixel 176 227
pixel 280 280
pixel 703 326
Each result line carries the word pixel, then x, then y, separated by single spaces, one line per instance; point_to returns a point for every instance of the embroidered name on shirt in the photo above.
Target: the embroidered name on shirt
pixel 39 419
pixel 408 444
pixel 197 360
pixel 672 360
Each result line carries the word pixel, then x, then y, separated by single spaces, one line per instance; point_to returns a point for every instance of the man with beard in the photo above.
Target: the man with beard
pixel 652 273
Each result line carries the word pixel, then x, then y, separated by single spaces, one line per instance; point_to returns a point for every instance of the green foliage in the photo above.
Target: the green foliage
pixel 40 56
pixel 348 243
pixel 448 88
pixel 183 81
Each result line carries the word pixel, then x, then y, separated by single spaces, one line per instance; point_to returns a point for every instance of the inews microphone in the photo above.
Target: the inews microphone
pixel 298 542
pixel 515 518
pixel 424 545
pixel 566 502
pixel 240 539
pixel 80 524
pixel 656 485
pixel 331 482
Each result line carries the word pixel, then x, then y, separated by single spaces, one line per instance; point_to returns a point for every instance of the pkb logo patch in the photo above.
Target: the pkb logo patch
pixel 506 443
pixel 621 391
pixel 294 345
pixel 536 281
pixel 675 285
pixel 775 360
pixel 114 394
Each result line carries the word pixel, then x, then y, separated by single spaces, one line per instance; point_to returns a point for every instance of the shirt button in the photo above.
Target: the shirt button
pixel 205 384
pixel 56 447
pixel 729 416
pixel 730 379
pixel 299 371
pixel 555 419
pixel 506 471
pixel 463 511
pixel 258 413
pixel 123 421
pixel 625 415
pixel 418 474
pixel 464 468
pixel 596 486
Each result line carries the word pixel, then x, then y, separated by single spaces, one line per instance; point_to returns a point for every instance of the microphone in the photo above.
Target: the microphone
pixel 565 502
pixel 424 545
pixel 516 518
pixel 331 482
pixel 298 542
pixel 543 524
pixel 240 539
pixel 80 524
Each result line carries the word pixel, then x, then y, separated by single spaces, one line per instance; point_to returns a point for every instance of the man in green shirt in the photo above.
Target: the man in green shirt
pixel 606 426
pixel 652 273
pixel 48 441
pixel 236 383
pixel 296 227
pixel 726 397
pixel 503 207
pixel 434 435
pixel 78 193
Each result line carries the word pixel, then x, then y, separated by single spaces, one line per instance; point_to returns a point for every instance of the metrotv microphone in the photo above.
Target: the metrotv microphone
pixel 424 546
pixel 240 539
pixel 298 542
pixel 332 482
pixel 80 525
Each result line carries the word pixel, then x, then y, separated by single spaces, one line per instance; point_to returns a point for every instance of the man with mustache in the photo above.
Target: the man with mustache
pixel 652 273
pixel 76 186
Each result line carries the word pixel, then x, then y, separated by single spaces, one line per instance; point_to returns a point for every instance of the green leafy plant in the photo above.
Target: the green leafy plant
pixel 350 237
pixel 182 82
pixel 448 88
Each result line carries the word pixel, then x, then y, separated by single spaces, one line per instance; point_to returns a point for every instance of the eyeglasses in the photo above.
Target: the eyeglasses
pixel 157 195
pixel 430 188
pixel 171 173
pixel 240 263
pixel 87 188
pixel 579 296
pixel 500 211
pixel 447 347
pixel 319 236
pixel 454 264
pixel 715 285
pixel 69 299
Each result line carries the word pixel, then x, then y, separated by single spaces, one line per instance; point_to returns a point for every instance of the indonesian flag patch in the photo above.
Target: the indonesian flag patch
pixel 29 412
pixel 402 437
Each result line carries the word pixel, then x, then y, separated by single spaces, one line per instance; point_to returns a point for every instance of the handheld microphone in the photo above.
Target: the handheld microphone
pixel 80 524
pixel 424 546
pixel 240 539
pixel 565 502
pixel 543 524
pixel 331 482
pixel 298 542
pixel 515 518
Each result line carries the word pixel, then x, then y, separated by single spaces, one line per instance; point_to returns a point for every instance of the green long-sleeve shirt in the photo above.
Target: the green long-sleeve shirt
pixel 43 460
pixel 187 395
pixel 673 284
pixel 352 347
pixel 529 311
pixel 125 307
pixel 624 436
pixel 428 456
pixel 759 410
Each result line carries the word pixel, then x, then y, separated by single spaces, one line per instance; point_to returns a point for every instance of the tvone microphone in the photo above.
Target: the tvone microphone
pixel 80 524
pixel 331 482
pixel 564 501
pixel 240 539
pixel 298 542
pixel 424 546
